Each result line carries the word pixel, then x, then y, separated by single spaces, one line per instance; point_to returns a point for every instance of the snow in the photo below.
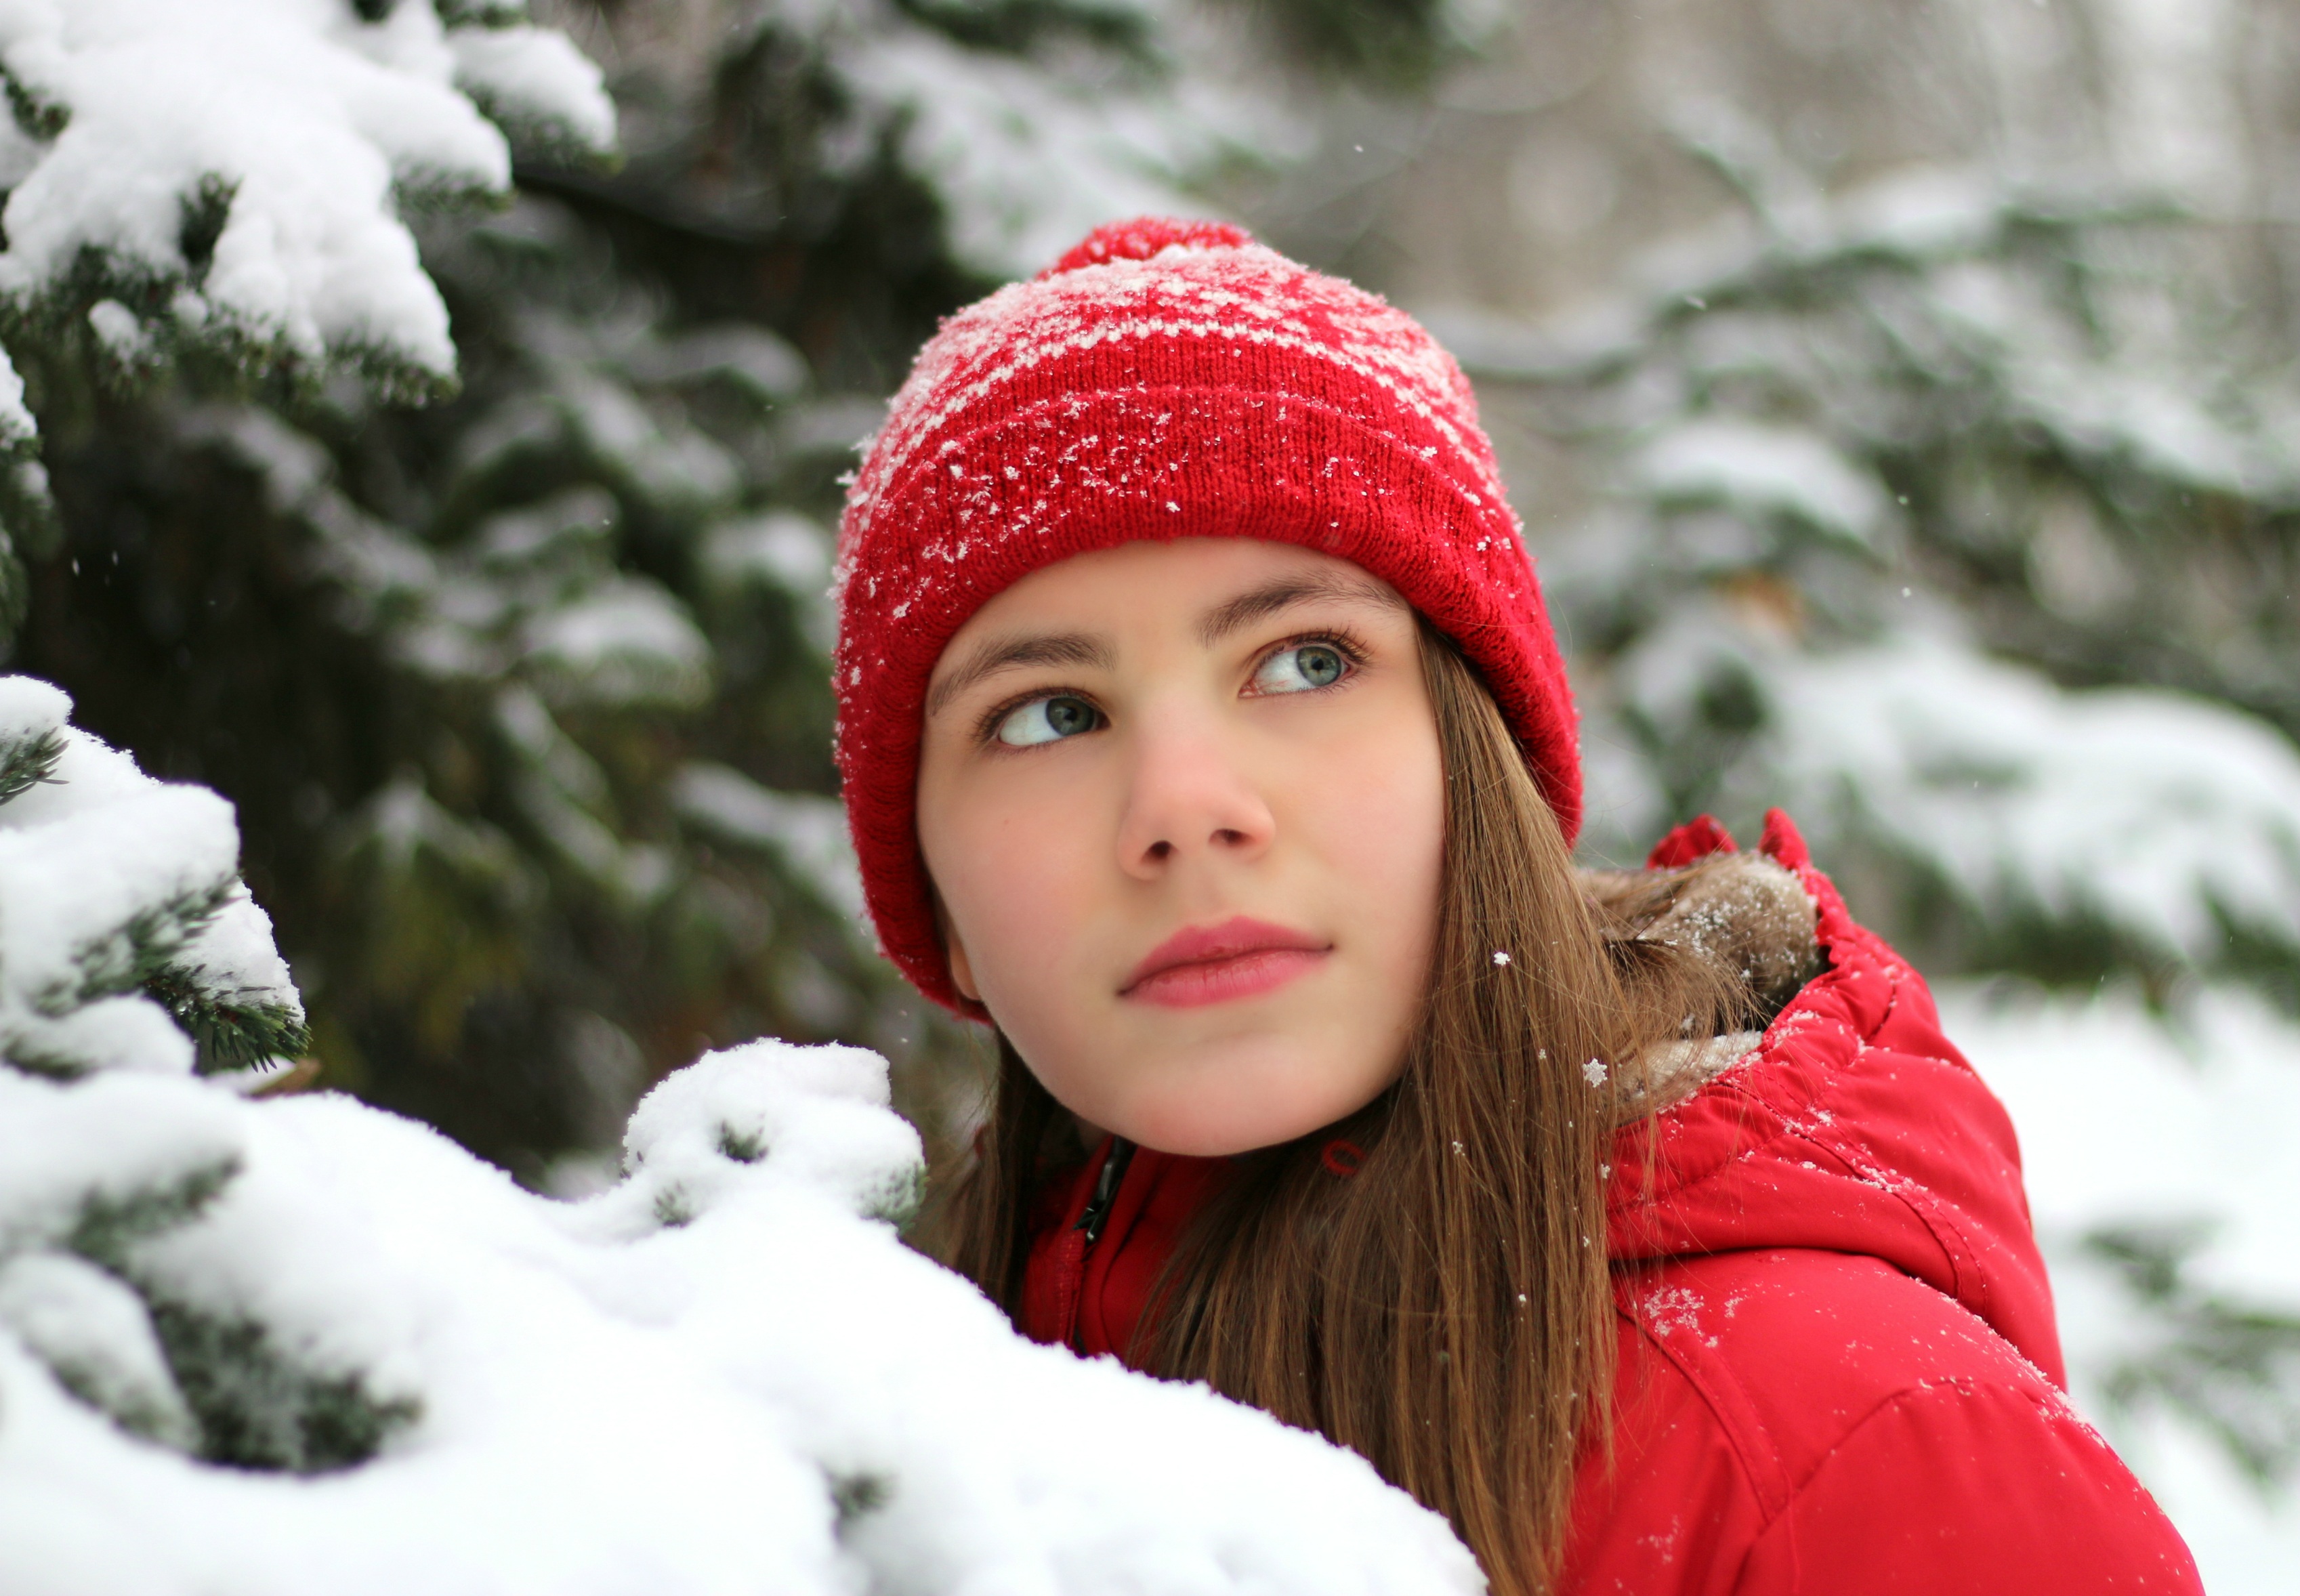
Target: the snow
pixel 91 1329
pixel 2162 813
pixel 783 549
pixel 99 867
pixel 625 642
pixel 295 1345
pixel 680 467
pixel 1031 164
pixel 782 546
pixel 1762 471
pixel 302 125
pixel 759 360
pixel 233 958
pixel 30 709
pixel 720 1374
pixel 2126 1117
pixel 537 82
pixel 807 832
pixel 1028 154
pixel 88 862
pixel 533 595
pixel 124 338
pixel 17 427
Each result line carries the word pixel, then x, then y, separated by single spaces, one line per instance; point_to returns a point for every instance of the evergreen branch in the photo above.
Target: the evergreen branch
pixel 15 590
pixel 258 1409
pixel 36 117
pixel 24 765
pixel 139 951
pixel 107 1226
pixel 2232 1369
pixel 479 13
pixel 234 1030
pixel 1020 27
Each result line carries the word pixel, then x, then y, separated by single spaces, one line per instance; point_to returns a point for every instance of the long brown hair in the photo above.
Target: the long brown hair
pixel 1446 1311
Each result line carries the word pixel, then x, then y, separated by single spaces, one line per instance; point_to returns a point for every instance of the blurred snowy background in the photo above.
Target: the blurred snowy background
pixel 1900 397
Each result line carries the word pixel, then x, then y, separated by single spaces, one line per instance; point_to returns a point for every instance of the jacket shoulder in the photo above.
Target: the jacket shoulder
pixel 1786 1415
pixel 1853 1126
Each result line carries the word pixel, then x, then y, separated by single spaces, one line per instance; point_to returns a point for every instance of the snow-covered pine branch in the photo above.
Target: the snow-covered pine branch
pixel 127 940
pixel 1026 159
pixel 223 183
pixel 1876 459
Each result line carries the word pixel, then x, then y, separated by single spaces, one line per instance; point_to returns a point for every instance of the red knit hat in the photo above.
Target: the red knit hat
pixel 1165 379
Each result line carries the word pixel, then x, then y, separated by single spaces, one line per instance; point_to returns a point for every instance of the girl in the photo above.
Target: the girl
pixel 1202 732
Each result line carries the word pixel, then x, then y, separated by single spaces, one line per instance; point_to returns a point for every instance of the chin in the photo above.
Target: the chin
pixel 1194 1123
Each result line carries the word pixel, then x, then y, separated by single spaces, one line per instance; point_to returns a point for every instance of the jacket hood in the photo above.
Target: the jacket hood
pixel 1853 1126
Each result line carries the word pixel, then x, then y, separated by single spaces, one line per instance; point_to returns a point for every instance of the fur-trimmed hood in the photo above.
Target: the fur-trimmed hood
pixel 1851 1125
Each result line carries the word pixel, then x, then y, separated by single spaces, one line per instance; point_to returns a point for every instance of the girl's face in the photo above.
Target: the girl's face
pixel 1184 807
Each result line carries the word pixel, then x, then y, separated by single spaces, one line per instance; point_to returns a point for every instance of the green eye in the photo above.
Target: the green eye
pixel 1301 668
pixel 1047 721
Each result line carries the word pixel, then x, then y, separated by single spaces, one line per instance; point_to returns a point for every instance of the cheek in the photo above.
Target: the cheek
pixel 1379 824
pixel 1012 871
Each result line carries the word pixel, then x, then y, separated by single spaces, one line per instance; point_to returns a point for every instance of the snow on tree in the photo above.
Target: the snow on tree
pixel 1924 517
pixel 126 940
pixel 223 185
pixel 303 1344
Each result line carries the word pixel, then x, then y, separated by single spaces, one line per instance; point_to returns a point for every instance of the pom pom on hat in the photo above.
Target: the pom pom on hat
pixel 1165 379
pixel 1145 238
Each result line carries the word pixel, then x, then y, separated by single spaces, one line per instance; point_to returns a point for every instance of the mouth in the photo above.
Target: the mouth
pixel 1240 957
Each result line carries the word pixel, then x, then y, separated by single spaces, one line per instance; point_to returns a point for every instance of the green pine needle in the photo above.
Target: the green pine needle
pixel 143 948
pixel 231 1032
pixel 26 763
pixel 258 1409
pixel 109 1224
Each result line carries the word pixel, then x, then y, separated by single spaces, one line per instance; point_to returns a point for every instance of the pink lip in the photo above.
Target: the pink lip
pixel 1213 964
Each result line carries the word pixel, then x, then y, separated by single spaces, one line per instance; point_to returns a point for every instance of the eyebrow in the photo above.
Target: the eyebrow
pixel 1257 603
pixel 1009 653
pixel 1085 650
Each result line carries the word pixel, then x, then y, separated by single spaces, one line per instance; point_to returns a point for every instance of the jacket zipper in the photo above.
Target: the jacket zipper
pixel 1105 1190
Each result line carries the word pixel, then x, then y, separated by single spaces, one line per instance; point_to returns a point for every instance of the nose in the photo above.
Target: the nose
pixel 1188 799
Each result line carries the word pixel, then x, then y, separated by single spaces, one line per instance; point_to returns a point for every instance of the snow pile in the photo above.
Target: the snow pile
pixel 294 1345
pixel 724 1374
pixel 233 170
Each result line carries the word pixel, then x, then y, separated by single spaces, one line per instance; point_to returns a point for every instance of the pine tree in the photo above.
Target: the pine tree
pixel 1915 502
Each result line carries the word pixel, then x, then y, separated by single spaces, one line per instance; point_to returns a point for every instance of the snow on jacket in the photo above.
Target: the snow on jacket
pixel 1839 1371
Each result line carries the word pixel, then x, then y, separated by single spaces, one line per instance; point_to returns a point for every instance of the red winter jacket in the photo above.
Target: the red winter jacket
pixel 1839 1372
